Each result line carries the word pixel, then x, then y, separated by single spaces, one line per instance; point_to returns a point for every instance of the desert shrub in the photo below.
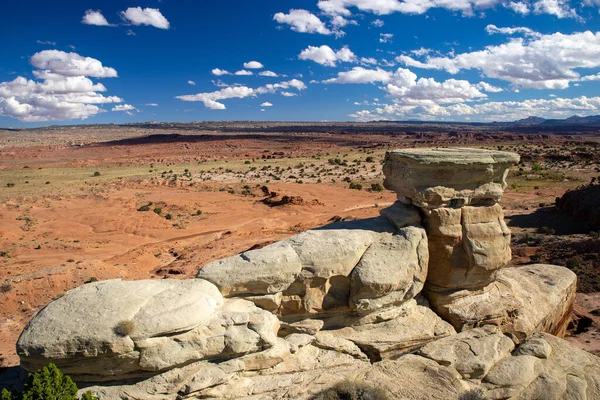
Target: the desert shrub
pixel 370 159
pixel 198 212
pixel 537 167
pixel 547 231
pixel 168 216
pixel 376 187
pixel 97 173
pixel 514 186
pixel 145 207
pixel 47 383
pixel 158 210
pixel 574 262
pixel 474 394
pixel 124 328
pixel 10 184
pixel 5 287
pixel 347 390
pixel 3 253
pixel 356 186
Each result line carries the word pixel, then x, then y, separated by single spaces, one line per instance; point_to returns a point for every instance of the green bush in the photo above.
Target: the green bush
pixel 168 216
pixel 376 187
pixel 356 186
pixel 97 173
pixel 347 390
pixel 47 383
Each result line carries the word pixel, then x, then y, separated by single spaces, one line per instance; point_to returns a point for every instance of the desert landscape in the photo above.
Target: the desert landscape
pixel 90 203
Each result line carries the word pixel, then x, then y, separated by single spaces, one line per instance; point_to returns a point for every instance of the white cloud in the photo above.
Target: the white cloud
pixel 151 105
pixel 361 75
pixel 145 16
pixel 302 21
pixel 92 17
pixel 129 32
pixel 64 91
pixel 243 72
pixel 491 29
pixel 71 64
pixel 219 72
pixel 46 42
pixel 253 65
pixel 421 52
pixel 386 37
pixel 544 62
pixel 518 6
pixel 487 111
pixel 266 104
pixel 191 83
pixel 369 60
pixel 123 107
pixel 325 55
pixel 210 100
pixel 560 8
pixel 288 94
pixel 378 23
pixel 486 87
pixel 595 77
pixel 268 73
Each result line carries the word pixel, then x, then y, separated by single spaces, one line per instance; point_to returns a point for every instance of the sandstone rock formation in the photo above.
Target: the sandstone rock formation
pixel 456 191
pixel 348 267
pixel 171 323
pixel 480 361
pixel 341 302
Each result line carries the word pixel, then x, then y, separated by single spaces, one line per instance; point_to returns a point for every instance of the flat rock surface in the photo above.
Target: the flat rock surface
pixel 522 300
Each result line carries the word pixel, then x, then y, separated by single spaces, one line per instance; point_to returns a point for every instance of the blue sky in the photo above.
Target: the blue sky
pixel 336 60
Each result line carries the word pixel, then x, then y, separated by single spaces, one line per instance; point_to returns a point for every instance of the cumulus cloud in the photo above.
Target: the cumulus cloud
pixel 63 90
pixel 544 62
pixel 386 37
pixel 243 72
pixel 123 107
pixel 191 83
pixel 266 104
pixel 560 8
pixel 491 29
pixel 519 7
pixel 145 16
pixel 219 72
pixel 466 7
pixel 378 23
pixel 326 56
pixel 212 99
pixel 361 75
pixel 486 111
pixel 71 64
pixel 92 17
pixel 288 94
pixel 253 65
pixel 302 21
pixel 268 73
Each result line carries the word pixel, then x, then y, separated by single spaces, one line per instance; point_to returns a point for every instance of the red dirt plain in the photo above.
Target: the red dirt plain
pixel 72 201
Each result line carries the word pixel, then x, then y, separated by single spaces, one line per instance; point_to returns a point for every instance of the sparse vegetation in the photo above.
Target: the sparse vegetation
pixel 348 390
pixel 97 173
pixel 47 383
pixel 124 328
pixel 5 287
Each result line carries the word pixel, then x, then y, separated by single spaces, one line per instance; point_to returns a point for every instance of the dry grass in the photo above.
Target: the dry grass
pixel 125 328
pixel 348 390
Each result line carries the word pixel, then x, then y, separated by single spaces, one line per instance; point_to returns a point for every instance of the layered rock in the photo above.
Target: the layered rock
pixel 477 363
pixel 441 177
pixel 126 329
pixel 456 191
pixel 356 267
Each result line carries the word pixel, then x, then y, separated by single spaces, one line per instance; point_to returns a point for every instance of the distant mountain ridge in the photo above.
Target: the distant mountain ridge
pixel 592 120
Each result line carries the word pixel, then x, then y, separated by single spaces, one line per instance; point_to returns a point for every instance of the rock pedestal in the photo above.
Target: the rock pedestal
pixel 456 192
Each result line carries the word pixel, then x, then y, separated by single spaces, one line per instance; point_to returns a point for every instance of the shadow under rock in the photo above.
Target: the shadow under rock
pixel 563 224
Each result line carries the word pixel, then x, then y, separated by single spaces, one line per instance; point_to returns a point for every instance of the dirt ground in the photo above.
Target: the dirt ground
pixel 139 207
